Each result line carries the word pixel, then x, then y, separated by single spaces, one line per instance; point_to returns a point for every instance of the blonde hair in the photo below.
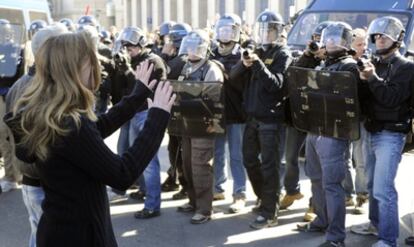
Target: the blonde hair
pixel 359 33
pixel 57 93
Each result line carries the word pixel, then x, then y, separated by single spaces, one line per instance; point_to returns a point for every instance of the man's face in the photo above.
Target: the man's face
pixel 193 55
pixel 332 45
pixel 360 45
pixel 267 36
pixel 382 41
pixel 133 51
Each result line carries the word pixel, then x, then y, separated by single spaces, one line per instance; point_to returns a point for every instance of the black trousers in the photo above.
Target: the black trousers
pixel 262 161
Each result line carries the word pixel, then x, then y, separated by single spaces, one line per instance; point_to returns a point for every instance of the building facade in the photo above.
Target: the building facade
pixel 149 14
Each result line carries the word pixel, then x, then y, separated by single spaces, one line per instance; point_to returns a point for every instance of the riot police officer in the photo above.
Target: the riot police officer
pixel 198 152
pixel 165 29
pixel 69 24
pixel 105 38
pixel 312 57
pixel 175 64
pixel 389 83
pixel 11 69
pixel 228 52
pixel 35 26
pixel 134 41
pixel 89 20
pixel 326 156
pixel 264 96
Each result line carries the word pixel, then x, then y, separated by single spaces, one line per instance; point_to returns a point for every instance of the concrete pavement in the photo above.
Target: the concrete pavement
pixel 173 228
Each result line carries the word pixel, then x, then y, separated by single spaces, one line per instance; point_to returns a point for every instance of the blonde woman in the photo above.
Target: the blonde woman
pixel 54 126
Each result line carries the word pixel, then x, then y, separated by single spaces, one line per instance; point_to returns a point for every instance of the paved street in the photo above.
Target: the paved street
pixel 173 228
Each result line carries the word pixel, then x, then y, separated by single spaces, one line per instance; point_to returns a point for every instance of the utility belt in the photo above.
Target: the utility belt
pixel 397 127
pixel 377 126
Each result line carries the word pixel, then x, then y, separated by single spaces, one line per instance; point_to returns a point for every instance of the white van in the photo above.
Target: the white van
pixel 25 11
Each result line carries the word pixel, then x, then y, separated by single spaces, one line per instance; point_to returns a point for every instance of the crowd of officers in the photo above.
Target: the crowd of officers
pixel 258 125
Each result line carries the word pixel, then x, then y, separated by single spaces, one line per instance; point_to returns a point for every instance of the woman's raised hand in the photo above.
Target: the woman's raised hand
pixel 163 97
pixel 143 73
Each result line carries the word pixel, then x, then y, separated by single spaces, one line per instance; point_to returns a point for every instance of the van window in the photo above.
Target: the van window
pixel 359 5
pixel 302 31
pixel 34 15
pixel 14 16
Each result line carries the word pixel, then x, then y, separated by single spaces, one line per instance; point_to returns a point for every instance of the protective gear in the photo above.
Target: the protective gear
pixel 268 28
pixel 196 43
pixel 36 26
pixel 11 61
pixel 105 37
pixel 319 99
pixel 317 32
pixel 390 27
pixel 88 20
pixel 337 38
pixel 178 32
pixel 228 28
pixel 165 28
pixel 69 24
pixel 133 36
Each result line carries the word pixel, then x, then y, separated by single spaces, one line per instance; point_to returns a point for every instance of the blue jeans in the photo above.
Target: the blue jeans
pixel 359 151
pixel 295 139
pixel 384 156
pixel 123 139
pixel 122 146
pixel 348 182
pixel 326 160
pixel 152 172
pixel 33 197
pixel 234 133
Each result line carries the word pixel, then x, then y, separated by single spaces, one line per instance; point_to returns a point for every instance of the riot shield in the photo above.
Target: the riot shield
pixel 324 102
pixel 11 43
pixel 198 110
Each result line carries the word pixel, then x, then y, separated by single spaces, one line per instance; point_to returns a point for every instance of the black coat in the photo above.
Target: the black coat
pixel 80 165
pixel 265 91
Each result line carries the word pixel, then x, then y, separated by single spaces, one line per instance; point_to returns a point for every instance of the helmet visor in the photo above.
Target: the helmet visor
pixel 336 38
pixel 193 46
pixel 227 33
pixel 267 32
pixel 130 36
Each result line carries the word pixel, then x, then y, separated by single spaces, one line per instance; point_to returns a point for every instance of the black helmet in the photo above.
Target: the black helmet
pixel 35 26
pixel 105 37
pixel 178 32
pixel 387 25
pixel 269 27
pixel 228 28
pixel 337 38
pixel 165 28
pixel 68 23
pixel 197 42
pixel 133 36
pixel 317 32
pixel 390 27
pixel 88 20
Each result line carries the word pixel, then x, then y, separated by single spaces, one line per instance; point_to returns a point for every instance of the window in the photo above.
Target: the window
pixel 12 15
pixel 302 30
pixel 360 5
pixel 34 15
